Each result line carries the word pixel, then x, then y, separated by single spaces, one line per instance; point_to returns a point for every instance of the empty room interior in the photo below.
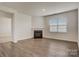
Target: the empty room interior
pixel 39 29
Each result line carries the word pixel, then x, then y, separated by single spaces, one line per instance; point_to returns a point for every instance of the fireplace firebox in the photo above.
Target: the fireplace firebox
pixel 38 33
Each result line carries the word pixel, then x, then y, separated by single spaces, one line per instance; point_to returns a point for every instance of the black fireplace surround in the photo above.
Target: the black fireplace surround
pixel 38 33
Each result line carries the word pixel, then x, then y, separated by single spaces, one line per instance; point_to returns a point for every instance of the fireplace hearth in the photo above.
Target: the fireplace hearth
pixel 38 33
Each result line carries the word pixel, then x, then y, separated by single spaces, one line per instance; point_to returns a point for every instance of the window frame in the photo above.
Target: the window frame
pixel 58 27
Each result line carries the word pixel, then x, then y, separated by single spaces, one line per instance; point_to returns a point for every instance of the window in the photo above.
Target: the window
pixel 58 24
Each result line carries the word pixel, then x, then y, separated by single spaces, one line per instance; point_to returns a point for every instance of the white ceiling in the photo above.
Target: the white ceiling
pixel 35 8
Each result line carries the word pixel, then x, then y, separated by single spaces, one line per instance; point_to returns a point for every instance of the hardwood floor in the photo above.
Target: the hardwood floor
pixel 38 48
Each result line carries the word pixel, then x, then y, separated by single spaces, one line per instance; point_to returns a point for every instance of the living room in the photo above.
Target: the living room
pixel 39 29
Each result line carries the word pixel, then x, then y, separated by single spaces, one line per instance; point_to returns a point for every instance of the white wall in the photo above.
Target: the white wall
pixel 22 27
pixel 72 31
pixel 5 26
pixel 5 29
pixel 37 22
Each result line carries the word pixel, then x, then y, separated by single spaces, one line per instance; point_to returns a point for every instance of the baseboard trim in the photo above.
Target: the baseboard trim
pixel 59 39
pixel 45 38
pixel 25 39
pixel 15 41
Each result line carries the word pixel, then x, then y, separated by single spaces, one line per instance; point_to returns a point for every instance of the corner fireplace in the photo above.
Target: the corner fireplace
pixel 38 33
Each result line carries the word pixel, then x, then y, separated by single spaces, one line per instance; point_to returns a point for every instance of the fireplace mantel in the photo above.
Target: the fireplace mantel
pixel 37 28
